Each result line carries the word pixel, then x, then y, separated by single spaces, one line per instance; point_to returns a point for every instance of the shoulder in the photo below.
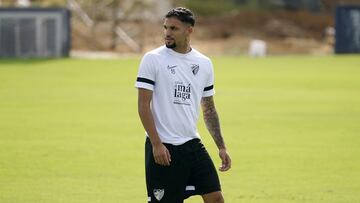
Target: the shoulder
pixel 157 53
pixel 204 61
pixel 153 59
pixel 201 57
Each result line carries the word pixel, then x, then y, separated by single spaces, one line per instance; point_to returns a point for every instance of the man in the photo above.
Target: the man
pixel 172 82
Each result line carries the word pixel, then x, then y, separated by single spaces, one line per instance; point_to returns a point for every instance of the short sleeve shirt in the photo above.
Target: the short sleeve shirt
pixel 178 82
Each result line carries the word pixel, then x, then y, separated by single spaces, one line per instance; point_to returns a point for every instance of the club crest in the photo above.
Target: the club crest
pixel 195 68
pixel 159 193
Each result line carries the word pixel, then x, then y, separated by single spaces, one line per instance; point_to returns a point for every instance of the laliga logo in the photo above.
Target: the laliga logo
pixel 159 193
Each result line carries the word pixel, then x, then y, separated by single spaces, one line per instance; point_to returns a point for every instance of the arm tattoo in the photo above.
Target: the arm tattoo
pixel 211 119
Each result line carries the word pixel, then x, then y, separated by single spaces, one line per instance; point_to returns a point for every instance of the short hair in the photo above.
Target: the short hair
pixel 182 14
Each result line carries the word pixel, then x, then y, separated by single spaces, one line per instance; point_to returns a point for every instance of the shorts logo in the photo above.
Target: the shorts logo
pixel 195 68
pixel 159 193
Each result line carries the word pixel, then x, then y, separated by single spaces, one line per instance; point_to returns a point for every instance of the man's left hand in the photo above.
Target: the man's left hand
pixel 225 160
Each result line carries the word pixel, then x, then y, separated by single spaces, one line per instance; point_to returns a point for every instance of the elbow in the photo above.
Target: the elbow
pixel 143 108
pixel 209 112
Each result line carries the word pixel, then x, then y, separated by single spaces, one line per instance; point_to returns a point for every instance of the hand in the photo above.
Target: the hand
pixel 161 155
pixel 225 160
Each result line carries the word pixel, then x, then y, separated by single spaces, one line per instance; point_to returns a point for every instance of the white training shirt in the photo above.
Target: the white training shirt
pixel 178 82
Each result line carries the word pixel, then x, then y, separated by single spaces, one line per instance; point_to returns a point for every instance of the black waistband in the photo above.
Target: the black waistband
pixel 191 144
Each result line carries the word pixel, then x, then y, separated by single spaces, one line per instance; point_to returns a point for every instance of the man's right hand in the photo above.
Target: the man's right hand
pixel 161 154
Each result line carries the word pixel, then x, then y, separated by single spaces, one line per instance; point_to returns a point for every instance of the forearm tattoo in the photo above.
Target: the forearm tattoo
pixel 211 119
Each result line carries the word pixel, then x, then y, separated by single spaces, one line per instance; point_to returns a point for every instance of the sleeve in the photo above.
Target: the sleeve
pixel 209 84
pixel 147 73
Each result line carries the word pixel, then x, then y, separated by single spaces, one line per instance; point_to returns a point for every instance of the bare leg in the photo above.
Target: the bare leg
pixel 213 197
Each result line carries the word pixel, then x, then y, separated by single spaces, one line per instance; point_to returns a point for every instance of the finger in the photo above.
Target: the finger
pixel 168 156
pixel 226 163
pixel 222 162
pixel 163 158
pixel 162 161
pixel 158 160
pixel 224 168
pixel 229 162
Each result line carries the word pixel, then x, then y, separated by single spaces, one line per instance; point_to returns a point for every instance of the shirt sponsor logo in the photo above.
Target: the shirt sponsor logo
pixel 182 93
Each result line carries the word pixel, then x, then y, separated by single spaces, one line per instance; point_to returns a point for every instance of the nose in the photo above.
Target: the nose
pixel 167 32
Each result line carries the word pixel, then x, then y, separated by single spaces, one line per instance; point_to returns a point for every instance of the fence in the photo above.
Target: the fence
pixel 347 29
pixel 34 32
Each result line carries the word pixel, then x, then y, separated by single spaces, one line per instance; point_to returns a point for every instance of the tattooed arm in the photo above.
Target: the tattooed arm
pixel 211 119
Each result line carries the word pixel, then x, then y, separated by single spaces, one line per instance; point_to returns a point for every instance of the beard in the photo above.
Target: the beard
pixel 171 46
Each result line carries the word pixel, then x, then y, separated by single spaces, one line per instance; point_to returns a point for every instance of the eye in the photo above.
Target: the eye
pixel 172 28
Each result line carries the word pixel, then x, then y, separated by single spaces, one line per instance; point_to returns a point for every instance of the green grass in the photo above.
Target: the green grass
pixel 69 130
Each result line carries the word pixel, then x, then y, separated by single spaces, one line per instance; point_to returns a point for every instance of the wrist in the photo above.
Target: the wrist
pixel 156 142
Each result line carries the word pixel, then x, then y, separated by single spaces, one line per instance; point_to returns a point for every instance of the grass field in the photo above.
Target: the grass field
pixel 69 130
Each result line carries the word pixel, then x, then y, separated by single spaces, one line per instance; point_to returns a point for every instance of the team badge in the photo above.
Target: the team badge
pixel 195 68
pixel 159 193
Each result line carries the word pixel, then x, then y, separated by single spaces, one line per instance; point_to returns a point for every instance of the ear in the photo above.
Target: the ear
pixel 190 29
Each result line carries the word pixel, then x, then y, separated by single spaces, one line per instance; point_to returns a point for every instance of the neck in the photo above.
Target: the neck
pixel 183 49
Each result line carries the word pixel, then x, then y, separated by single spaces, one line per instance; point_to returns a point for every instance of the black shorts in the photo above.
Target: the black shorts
pixel 191 172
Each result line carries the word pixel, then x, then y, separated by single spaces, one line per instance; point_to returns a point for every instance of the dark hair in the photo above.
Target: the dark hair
pixel 182 14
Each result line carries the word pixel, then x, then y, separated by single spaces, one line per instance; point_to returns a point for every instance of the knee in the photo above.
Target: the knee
pixel 214 197
pixel 218 198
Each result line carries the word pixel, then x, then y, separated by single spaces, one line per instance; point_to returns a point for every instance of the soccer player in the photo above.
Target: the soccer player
pixel 173 82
